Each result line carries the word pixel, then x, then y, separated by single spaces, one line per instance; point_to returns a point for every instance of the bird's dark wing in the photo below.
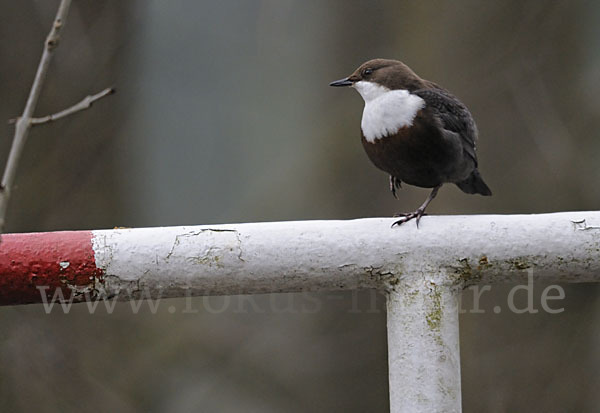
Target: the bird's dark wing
pixel 453 115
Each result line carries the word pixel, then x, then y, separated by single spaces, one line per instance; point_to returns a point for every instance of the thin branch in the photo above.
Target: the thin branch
pixel 85 103
pixel 26 120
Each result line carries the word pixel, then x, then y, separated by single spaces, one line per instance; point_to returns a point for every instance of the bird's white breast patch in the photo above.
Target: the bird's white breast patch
pixel 386 111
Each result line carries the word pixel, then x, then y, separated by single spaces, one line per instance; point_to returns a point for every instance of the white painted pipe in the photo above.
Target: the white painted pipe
pixel 345 255
pixel 423 347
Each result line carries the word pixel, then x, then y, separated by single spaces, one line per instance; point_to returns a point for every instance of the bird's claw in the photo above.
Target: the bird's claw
pixel 419 212
pixel 405 214
pixel 407 217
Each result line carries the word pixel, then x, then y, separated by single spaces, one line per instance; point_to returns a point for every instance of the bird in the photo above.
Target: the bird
pixel 415 131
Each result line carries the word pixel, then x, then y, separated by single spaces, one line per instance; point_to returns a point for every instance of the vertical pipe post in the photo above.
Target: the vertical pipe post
pixel 423 347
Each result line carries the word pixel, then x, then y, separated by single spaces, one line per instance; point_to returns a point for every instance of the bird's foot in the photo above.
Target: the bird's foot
pixel 409 216
pixel 405 214
pixel 419 212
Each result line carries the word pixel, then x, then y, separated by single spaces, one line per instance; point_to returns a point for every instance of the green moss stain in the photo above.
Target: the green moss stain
pixel 434 315
pixel 411 296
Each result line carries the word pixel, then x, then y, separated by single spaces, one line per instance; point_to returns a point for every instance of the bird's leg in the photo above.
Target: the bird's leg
pixel 395 183
pixel 420 211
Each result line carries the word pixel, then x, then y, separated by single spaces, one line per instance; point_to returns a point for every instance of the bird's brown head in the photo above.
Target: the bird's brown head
pixel 391 74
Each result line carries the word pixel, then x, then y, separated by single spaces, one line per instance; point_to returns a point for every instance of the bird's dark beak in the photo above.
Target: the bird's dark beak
pixel 342 82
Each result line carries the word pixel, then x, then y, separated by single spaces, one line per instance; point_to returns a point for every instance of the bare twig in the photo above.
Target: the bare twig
pixel 26 120
pixel 82 105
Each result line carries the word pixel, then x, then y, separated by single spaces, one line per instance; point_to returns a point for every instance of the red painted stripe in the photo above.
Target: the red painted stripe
pixel 29 261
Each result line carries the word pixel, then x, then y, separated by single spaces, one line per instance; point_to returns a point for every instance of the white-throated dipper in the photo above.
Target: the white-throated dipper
pixel 415 131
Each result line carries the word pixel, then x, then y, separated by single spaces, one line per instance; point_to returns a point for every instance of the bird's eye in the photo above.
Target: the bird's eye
pixel 367 71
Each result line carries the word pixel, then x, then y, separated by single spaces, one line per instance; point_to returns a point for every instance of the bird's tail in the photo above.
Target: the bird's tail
pixel 474 185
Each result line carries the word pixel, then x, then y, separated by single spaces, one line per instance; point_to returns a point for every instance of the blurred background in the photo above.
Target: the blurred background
pixel 222 115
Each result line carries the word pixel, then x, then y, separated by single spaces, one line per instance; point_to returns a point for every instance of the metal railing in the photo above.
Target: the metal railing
pixel 422 271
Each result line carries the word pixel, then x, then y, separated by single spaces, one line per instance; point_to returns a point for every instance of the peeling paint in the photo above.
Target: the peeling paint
pixel 582 225
pixel 383 276
pixel 520 263
pixel 87 292
pixel 484 263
